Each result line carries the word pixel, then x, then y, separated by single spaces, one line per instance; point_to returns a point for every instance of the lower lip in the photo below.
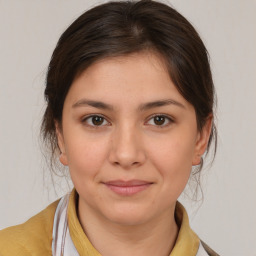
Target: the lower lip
pixel 128 190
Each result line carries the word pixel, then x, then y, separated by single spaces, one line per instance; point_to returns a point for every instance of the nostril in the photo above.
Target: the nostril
pixel 126 150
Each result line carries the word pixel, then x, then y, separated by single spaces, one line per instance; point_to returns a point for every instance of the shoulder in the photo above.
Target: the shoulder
pixel 204 249
pixel 30 238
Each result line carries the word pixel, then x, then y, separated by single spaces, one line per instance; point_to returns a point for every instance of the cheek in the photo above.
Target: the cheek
pixel 172 157
pixel 85 156
pixel 176 150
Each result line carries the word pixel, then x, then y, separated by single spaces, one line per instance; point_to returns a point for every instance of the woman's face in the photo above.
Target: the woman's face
pixel 129 139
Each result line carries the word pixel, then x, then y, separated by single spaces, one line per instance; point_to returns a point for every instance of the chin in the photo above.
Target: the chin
pixel 128 220
pixel 128 215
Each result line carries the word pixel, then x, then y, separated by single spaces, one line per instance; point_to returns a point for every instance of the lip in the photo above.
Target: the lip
pixel 127 188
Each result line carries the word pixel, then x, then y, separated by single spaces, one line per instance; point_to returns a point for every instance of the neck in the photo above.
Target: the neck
pixel 155 237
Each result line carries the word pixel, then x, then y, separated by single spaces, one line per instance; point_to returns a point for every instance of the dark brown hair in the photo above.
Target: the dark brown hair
pixel 121 28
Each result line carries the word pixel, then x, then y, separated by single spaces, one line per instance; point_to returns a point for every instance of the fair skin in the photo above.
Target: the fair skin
pixel 130 140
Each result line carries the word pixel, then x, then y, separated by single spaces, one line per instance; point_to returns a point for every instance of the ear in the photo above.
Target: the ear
pixel 61 144
pixel 202 141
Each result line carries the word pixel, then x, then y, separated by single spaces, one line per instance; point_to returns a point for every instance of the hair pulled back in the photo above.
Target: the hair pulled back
pixel 121 28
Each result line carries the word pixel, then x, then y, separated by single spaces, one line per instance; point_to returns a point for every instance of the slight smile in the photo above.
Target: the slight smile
pixel 127 188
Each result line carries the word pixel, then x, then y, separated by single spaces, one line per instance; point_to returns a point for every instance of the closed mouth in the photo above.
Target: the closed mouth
pixel 127 188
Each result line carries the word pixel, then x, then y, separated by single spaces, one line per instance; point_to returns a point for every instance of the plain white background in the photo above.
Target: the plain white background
pixel 29 31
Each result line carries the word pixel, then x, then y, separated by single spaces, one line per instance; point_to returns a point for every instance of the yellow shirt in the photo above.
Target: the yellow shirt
pixel 34 237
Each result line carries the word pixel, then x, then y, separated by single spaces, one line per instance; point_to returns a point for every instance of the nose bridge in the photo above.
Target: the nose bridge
pixel 127 148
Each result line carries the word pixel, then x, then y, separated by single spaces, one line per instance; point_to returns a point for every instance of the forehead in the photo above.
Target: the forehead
pixel 125 79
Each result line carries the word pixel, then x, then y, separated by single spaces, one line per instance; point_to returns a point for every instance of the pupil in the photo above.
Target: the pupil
pixel 159 120
pixel 97 120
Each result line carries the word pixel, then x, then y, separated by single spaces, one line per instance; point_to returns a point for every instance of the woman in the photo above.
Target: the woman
pixel 130 111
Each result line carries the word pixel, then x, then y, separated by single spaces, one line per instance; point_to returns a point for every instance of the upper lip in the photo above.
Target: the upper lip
pixel 128 183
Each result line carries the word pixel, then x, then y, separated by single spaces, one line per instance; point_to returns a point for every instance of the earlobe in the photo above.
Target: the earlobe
pixel 196 160
pixel 202 141
pixel 61 144
pixel 63 159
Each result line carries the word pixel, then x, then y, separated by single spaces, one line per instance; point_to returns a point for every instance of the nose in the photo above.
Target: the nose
pixel 127 149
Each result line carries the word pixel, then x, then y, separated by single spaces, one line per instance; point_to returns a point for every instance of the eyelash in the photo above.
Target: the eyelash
pixel 86 118
pixel 170 120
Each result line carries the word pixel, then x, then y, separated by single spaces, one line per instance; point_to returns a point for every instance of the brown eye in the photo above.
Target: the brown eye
pixel 95 121
pixel 159 120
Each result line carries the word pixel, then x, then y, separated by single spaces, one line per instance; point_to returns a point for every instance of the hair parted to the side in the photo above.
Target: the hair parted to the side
pixel 121 28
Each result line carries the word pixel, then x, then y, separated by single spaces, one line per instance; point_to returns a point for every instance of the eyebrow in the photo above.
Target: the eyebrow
pixel 92 103
pixel 142 107
pixel 160 103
